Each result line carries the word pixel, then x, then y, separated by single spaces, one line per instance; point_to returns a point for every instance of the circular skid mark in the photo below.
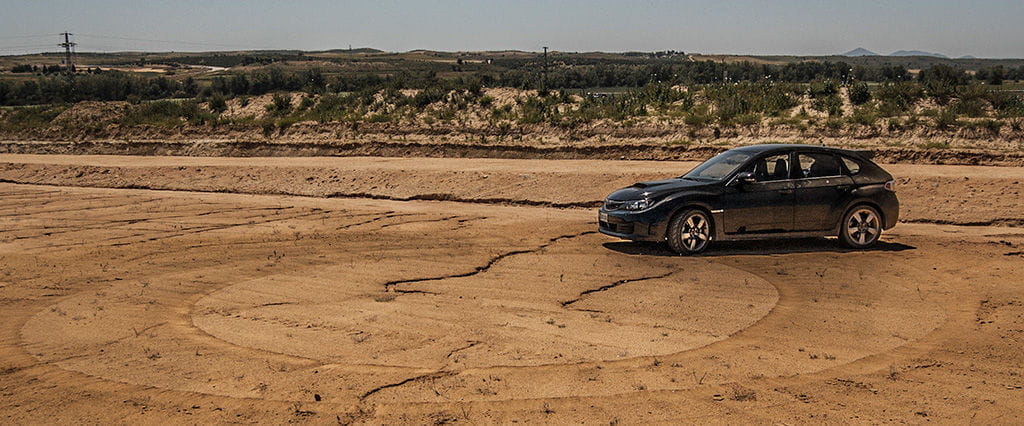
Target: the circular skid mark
pixel 405 315
pixel 514 314
pixel 278 336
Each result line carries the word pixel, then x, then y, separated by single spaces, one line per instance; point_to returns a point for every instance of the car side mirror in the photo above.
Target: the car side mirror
pixel 744 177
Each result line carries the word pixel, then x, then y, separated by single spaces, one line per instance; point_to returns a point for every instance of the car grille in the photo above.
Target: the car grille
pixel 613 205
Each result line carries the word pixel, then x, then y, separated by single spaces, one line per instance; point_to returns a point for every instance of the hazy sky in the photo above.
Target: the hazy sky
pixel 991 28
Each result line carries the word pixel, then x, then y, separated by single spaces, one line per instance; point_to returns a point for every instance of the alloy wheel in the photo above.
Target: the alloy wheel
pixel 863 226
pixel 695 232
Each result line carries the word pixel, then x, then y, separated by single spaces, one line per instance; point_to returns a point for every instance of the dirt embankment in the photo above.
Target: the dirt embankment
pixel 249 129
pixel 468 148
pixel 931 194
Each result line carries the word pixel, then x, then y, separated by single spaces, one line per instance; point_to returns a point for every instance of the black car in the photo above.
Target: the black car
pixel 757 192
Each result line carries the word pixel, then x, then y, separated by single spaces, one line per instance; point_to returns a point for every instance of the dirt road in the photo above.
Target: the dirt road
pixel 131 305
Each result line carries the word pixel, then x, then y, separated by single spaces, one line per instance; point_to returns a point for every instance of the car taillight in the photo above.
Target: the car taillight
pixel 891 185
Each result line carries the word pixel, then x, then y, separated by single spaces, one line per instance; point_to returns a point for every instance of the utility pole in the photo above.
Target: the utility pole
pixel 67 45
pixel 544 75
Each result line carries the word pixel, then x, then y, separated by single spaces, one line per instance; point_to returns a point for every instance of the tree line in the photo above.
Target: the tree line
pixel 120 86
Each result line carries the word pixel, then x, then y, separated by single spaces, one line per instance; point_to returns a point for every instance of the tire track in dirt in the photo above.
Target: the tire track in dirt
pixel 390 285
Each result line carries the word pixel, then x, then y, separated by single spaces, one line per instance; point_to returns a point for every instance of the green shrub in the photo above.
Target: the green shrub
pixel 280 104
pixel 969 107
pixel 1006 104
pixel 699 117
pixel 822 89
pixel 30 117
pixel 167 113
pixel 285 122
pixel 339 107
pixel 748 120
pixel 731 100
pixel 897 98
pixel 533 110
pixel 946 119
pixel 831 104
pixel 306 103
pixel 859 93
pixel 866 115
pixel 428 96
pixel 834 123
pixel 993 126
pixel 217 103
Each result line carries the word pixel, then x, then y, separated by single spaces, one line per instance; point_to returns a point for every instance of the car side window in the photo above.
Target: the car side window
pixel 771 168
pixel 852 166
pixel 815 165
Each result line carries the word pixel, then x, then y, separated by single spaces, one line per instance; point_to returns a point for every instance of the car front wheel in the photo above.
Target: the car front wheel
pixel 862 226
pixel 689 232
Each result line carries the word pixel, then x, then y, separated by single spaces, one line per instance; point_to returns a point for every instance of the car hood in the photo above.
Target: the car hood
pixel 655 189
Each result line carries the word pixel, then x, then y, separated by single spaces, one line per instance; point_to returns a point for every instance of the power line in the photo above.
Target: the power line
pixel 27 36
pixel 25 47
pixel 171 41
pixel 72 45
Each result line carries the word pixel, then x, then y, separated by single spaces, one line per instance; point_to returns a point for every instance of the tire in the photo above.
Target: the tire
pixel 689 232
pixel 861 227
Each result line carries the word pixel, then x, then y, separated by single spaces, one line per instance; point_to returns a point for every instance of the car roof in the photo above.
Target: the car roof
pixel 770 147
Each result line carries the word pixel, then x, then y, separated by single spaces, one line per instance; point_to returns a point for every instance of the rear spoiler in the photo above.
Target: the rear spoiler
pixel 866 154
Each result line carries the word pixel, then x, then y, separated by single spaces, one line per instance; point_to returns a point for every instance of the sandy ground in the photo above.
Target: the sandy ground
pixel 944 194
pixel 140 305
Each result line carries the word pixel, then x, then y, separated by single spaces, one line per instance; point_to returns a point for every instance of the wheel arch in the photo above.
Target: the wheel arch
pixel 690 205
pixel 857 203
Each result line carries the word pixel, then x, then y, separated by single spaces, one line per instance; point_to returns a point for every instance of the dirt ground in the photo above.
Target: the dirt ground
pixel 341 290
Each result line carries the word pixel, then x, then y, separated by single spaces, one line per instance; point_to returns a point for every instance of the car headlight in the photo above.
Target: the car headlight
pixel 637 204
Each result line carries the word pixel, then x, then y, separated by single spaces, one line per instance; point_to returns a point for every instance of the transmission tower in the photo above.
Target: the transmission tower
pixel 67 45
pixel 544 74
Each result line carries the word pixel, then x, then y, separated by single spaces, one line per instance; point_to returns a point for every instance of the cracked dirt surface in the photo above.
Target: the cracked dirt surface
pixel 126 305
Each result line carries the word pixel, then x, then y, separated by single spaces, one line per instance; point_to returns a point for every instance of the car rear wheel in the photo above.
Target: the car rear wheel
pixel 689 232
pixel 861 227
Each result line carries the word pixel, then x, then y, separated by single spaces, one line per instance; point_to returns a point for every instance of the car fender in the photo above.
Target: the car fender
pixel 853 200
pixel 675 203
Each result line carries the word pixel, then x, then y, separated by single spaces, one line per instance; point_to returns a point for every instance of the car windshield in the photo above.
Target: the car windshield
pixel 718 167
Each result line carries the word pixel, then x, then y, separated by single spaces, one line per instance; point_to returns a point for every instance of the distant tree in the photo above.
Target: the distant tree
pixel 217 103
pixel 190 87
pixel 859 93
pixel 996 75
pixel 281 103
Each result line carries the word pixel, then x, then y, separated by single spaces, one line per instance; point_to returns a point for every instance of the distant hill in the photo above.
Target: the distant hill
pixel 917 53
pixel 356 50
pixel 860 51
pixel 967 57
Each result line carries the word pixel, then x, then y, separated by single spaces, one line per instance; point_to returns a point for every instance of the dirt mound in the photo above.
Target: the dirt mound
pixel 90 113
pixel 256 106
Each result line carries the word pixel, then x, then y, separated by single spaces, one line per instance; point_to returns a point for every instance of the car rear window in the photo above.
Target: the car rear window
pixel 852 166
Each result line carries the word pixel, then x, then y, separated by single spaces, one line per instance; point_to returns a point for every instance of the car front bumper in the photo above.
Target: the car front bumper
pixel 636 226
